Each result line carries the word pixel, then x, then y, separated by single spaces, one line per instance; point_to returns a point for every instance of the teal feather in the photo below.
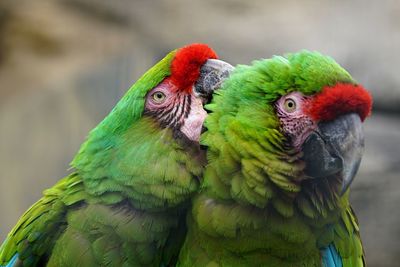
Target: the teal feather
pixel 330 257
pixel 13 262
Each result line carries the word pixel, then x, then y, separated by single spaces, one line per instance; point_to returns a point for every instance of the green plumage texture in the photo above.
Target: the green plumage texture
pixel 124 203
pixel 254 209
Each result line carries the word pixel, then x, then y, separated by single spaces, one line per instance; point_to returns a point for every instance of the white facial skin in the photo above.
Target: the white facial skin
pixel 296 124
pixel 181 111
pixel 193 124
pixel 155 103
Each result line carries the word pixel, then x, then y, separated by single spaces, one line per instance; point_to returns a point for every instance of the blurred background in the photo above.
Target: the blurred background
pixel 65 63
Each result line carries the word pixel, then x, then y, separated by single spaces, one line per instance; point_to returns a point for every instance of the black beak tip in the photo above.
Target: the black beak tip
pixel 335 150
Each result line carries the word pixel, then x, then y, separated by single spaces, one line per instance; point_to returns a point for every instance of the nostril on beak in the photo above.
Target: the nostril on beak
pixel 212 75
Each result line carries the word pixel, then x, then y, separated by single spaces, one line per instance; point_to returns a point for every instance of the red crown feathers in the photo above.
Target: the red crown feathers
pixel 340 99
pixel 185 67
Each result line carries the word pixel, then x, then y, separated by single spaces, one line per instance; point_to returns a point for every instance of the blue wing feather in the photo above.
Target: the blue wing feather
pixel 12 261
pixel 330 257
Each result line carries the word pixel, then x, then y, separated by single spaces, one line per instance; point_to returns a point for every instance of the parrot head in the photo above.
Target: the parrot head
pixel 287 129
pixel 177 102
pixel 147 149
pixel 326 127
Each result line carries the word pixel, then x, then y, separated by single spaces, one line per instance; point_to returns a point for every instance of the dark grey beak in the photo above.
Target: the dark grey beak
pixel 335 149
pixel 212 75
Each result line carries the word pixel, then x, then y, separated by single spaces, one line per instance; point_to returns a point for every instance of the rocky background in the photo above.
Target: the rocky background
pixel 65 63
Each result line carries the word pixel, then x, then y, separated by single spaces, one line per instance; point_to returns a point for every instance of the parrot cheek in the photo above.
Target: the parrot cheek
pixel 212 75
pixel 193 123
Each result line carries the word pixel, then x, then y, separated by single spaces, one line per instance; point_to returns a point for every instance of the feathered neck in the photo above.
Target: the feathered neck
pixel 144 165
pixel 128 156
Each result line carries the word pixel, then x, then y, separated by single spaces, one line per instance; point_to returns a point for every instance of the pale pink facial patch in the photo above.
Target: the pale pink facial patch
pixel 165 88
pixel 193 124
pixel 296 124
pixel 179 111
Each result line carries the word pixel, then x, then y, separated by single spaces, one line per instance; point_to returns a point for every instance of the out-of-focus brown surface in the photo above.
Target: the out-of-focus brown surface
pixel 65 63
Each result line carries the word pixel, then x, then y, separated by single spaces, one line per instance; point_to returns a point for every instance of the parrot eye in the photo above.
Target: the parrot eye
pixel 158 97
pixel 289 105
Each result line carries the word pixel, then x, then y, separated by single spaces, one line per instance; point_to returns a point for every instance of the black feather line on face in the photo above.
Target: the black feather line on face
pixel 177 118
pixel 187 107
pixel 173 115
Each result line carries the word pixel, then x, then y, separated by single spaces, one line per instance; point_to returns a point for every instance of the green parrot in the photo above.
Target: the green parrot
pixel 284 140
pixel 125 201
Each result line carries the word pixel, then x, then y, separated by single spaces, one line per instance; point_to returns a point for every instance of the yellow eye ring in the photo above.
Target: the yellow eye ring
pixel 289 105
pixel 158 97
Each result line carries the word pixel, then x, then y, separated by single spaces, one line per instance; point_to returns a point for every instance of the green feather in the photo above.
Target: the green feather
pixel 254 208
pixel 131 182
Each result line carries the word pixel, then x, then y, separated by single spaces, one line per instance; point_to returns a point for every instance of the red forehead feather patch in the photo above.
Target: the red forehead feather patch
pixel 185 67
pixel 340 99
